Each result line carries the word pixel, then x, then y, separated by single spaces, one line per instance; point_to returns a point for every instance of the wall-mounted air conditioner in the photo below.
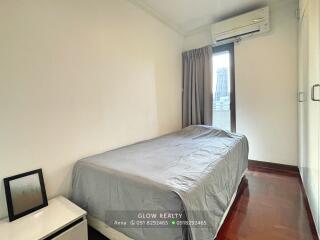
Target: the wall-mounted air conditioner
pixel 242 26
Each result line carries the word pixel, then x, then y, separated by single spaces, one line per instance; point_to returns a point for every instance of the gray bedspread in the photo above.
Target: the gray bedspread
pixel 196 170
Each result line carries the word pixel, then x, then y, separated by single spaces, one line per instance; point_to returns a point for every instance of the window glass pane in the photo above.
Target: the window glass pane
pixel 221 91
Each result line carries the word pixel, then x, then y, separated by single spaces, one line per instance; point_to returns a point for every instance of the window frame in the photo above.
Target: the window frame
pixel 229 47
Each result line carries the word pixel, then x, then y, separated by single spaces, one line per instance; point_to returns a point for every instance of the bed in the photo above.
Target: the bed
pixel 193 173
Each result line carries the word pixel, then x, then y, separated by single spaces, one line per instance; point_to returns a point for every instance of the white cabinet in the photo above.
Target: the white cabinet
pixel 79 231
pixel 309 107
pixel 313 109
pixel 60 220
pixel 303 90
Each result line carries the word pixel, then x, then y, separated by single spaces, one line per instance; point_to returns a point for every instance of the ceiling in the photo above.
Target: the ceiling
pixel 189 16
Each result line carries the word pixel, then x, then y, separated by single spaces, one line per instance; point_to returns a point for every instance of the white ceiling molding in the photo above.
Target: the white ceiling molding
pixel 149 10
pixel 198 30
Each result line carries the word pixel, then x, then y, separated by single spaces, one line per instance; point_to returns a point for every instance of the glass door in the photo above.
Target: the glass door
pixel 223 88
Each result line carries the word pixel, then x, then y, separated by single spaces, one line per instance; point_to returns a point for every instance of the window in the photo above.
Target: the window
pixel 223 88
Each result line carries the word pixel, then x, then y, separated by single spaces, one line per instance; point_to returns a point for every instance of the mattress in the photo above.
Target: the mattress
pixel 192 173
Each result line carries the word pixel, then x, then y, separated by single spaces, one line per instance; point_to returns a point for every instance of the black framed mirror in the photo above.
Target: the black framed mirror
pixel 25 193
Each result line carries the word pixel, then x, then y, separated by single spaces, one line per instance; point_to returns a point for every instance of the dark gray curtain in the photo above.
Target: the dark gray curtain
pixel 197 87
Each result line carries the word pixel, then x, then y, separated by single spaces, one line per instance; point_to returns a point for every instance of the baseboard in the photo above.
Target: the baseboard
pixel 273 167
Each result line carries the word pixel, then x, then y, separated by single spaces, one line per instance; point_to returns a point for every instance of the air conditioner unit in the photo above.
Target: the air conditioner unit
pixel 242 26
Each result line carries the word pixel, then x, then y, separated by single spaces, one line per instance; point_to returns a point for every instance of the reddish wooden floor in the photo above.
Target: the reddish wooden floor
pixel 270 207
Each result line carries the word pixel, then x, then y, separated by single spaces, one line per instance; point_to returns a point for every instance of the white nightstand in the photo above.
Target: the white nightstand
pixel 60 220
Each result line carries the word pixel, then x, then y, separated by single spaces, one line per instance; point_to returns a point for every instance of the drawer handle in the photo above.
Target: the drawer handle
pixel 313 98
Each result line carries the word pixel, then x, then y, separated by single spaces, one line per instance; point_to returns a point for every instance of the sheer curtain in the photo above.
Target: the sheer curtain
pixel 197 87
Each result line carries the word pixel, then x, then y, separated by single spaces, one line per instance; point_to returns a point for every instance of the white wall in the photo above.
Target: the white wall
pixel 266 86
pixel 80 77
